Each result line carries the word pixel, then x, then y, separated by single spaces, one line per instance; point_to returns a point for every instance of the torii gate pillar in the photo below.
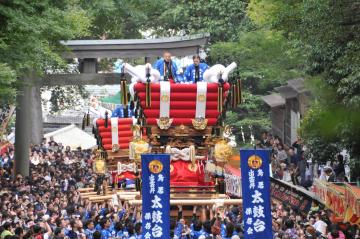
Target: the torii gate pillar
pixel 28 125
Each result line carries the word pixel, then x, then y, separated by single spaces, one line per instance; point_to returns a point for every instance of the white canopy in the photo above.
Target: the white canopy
pixel 72 136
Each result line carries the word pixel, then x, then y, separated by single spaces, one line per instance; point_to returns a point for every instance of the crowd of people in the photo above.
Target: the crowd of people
pixel 290 164
pixel 47 204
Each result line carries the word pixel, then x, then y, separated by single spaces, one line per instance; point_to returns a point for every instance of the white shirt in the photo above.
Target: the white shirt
pixel 320 226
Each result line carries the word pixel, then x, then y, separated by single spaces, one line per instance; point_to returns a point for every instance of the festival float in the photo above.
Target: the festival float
pixel 183 120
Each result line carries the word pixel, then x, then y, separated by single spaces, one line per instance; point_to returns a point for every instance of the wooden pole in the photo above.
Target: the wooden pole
pixel 196 202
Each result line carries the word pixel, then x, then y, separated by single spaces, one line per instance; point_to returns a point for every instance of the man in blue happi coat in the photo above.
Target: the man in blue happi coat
pixel 119 112
pixel 195 72
pixel 167 68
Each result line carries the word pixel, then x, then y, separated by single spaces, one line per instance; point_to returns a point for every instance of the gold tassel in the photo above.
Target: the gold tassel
pixel 238 91
pixel 233 96
pixel 192 154
pixel 148 94
pixel 124 93
pixel 220 98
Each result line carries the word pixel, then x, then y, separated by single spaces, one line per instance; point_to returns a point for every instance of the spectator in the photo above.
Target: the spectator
pixel 320 225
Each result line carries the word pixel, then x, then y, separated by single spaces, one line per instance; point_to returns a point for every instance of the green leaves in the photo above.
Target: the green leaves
pixel 7 85
pixel 265 59
pixel 327 34
pixel 30 36
pixel 222 19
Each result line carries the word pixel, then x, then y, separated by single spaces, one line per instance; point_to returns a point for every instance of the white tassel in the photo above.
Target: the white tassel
pixel 131 150
pixel 168 149
pixel 119 168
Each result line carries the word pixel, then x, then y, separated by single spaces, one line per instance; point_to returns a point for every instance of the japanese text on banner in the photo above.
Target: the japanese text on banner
pixel 255 181
pixel 155 196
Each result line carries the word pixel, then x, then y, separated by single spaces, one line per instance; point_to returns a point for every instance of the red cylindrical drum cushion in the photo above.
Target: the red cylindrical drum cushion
pixel 121 140
pixel 121 134
pixel 180 105
pixel 154 113
pixel 181 88
pixel 180 121
pixel 121 121
pixel 179 96
pixel 121 128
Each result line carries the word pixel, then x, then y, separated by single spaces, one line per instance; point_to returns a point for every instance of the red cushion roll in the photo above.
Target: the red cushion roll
pixel 154 113
pixel 121 140
pixel 180 105
pixel 177 96
pixel 121 134
pixel 121 128
pixel 182 176
pixel 122 146
pixel 122 121
pixel 181 88
pixel 179 121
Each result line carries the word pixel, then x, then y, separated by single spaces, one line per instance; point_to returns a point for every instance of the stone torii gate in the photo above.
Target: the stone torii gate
pixel 29 123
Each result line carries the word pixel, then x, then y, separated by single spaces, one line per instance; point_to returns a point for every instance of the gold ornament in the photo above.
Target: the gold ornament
pixel 164 122
pixel 115 148
pixel 165 98
pixel 171 168
pixel 222 151
pixel 99 166
pixel 139 147
pixel 199 123
pixel 201 98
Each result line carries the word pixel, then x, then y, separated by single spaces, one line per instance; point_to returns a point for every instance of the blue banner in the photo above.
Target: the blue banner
pixel 255 183
pixel 155 195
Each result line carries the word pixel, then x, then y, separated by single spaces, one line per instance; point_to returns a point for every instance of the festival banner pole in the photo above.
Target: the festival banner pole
pixel 255 182
pixel 155 196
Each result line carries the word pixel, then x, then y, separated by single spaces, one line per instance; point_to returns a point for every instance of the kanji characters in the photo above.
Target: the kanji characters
pixel 156 202
pixel 156 217
pixel 257 197
pixel 258 211
pixel 157 231
pixel 259 225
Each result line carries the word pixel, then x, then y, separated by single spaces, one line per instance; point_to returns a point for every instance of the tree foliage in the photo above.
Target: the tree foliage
pixel 30 34
pixel 327 32
pixel 116 19
pixel 264 59
pixel 224 20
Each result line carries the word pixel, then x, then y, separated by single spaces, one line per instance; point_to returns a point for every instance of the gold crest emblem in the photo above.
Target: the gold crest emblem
pixel 201 98
pixel 199 123
pixel 171 168
pixel 156 166
pixel 164 122
pixel 165 98
pixel 254 162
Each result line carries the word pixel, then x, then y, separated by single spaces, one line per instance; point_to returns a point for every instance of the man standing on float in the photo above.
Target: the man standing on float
pixel 195 72
pixel 167 68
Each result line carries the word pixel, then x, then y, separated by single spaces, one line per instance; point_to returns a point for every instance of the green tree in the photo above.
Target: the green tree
pixel 264 62
pixel 265 59
pixel 30 34
pixel 327 32
pixel 224 20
